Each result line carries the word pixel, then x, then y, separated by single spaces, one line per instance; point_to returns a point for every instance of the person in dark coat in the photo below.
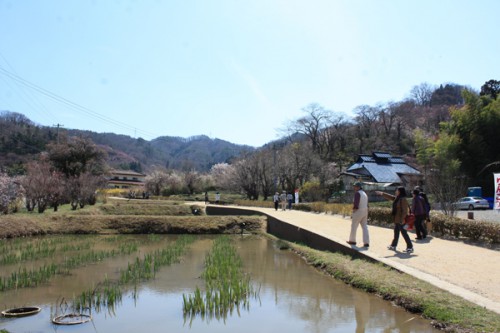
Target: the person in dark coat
pixel 418 209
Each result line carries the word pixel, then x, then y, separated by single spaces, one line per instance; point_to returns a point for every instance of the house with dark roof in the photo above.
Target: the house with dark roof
pixel 382 169
pixel 125 179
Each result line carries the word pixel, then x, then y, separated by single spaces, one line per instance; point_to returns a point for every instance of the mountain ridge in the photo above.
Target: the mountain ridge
pixel 21 140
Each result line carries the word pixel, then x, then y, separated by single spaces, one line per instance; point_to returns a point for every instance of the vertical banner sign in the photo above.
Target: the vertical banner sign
pixel 496 202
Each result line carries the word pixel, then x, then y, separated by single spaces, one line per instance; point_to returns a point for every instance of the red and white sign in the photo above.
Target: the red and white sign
pixel 496 200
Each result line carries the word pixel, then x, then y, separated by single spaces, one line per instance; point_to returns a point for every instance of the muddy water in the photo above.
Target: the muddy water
pixel 293 297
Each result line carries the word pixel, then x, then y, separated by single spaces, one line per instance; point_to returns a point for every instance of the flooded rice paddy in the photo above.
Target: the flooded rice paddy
pixel 127 292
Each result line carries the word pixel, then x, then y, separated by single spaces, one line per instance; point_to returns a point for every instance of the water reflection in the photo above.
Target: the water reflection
pixel 294 297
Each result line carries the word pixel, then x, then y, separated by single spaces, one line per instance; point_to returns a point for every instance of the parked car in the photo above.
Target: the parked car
pixel 471 203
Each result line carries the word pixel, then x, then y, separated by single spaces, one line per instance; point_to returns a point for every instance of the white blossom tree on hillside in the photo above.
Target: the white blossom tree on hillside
pixel 10 193
pixel 224 176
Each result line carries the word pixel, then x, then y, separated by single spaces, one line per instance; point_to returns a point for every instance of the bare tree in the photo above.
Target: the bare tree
pixel 247 176
pixel 366 127
pixel 56 191
pixel 89 184
pixel 334 139
pixel 40 184
pixel 447 188
pixel 192 181
pixel 73 191
pixel 422 94
pixel 311 125
pixel 296 164
pixel 266 170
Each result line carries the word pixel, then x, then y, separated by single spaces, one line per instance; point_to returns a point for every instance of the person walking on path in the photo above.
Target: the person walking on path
pixel 359 215
pixel 276 200
pixel 399 211
pixel 217 198
pixel 418 209
pixel 206 197
pixel 289 198
pixel 427 205
pixel 283 200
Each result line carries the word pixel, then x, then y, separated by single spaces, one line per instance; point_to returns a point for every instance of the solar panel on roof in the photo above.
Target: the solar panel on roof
pixel 367 158
pixel 382 155
pixel 382 167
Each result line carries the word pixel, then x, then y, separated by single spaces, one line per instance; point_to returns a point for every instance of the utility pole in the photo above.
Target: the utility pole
pixel 57 133
pixel 274 169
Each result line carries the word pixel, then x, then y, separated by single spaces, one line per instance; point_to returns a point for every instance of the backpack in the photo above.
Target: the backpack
pixel 427 205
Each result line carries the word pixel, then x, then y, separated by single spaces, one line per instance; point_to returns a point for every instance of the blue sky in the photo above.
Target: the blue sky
pixel 232 69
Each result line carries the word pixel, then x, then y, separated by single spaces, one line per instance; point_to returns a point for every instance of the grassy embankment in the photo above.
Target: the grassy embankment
pixel 127 217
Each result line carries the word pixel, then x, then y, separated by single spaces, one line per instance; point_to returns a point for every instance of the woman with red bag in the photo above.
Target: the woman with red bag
pixel 400 209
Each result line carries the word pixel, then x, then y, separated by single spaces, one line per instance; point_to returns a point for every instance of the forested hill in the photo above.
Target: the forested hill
pixel 22 140
pixel 197 152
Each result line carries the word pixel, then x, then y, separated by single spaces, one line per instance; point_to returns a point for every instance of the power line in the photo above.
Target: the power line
pixel 73 105
pixel 29 99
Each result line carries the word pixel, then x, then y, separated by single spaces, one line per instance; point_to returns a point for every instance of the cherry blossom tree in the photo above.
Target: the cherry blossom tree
pixel 10 193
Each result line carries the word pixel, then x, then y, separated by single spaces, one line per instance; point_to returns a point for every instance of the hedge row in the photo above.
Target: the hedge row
pixel 443 225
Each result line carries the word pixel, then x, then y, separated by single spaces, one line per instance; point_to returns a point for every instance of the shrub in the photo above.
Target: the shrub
pixel 492 232
pixel 318 207
pixel 254 203
pixel 115 192
pixel 446 225
pixel 312 191
pixel 339 208
pixel 380 216
pixel 303 207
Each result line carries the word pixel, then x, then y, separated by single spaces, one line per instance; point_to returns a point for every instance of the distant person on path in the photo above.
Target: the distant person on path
pixel 206 197
pixel 289 197
pixel 359 215
pixel 276 200
pixel 399 212
pixel 217 198
pixel 283 200
pixel 418 209
pixel 427 205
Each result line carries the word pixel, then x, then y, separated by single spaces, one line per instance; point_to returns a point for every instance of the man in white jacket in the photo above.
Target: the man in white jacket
pixel 359 215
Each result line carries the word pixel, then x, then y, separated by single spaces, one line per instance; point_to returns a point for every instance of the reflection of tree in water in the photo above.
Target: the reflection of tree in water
pixel 351 311
pixel 324 304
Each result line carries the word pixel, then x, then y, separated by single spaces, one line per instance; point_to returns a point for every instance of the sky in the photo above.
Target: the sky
pixel 235 70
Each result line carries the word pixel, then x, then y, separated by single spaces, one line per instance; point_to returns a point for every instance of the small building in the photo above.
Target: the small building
pixel 126 179
pixel 380 167
pixel 381 171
